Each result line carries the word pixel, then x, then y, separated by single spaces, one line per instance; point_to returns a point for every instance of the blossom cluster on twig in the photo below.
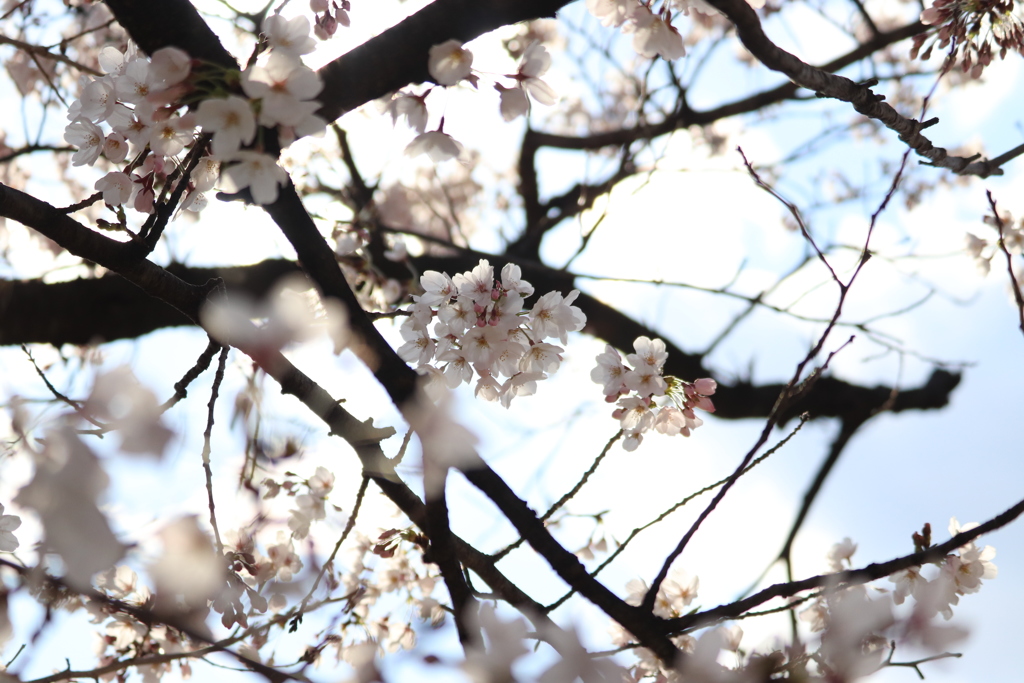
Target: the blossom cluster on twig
pixel 635 388
pixel 480 326
pixel 141 100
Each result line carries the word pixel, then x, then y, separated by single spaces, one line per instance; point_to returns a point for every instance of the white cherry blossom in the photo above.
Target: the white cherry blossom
pixel 257 171
pixel 449 63
pixel 436 145
pixel 88 138
pixel 135 83
pixel 8 523
pixel 169 66
pixel 281 83
pixel 289 35
pixel 653 35
pixel 612 12
pixel 230 120
pixel 115 148
pixel 554 316
pixel 116 188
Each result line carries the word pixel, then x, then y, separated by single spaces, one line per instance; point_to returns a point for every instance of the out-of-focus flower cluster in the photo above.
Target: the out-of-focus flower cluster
pixel 975 28
pixel 449 64
pixel 635 388
pixel 858 630
pixel 653 32
pixel 480 326
pixel 982 250
pixel 140 99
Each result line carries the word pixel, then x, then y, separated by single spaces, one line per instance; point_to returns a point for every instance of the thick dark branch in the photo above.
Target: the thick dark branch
pixel 187 299
pixel 748 27
pixel 108 308
pixel 686 117
pixel 398 56
pixel 171 23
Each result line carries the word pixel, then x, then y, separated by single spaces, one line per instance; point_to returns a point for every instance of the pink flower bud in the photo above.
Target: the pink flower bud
pixel 705 386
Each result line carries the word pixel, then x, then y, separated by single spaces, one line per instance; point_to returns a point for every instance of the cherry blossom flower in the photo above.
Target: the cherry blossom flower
pixel 575 661
pixel 703 7
pixel 135 83
pixel 116 188
pixel 8 523
pixel 169 66
pixel 204 175
pixel 436 145
pixel 281 83
pixel 188 566
pixel 534 63
pixel 841 552
pixel 541 357
pixel 418 346
pixel 513 102
pixel 610 372
pixel 612 13
pixel 908 582
pixel 68 480
pixel 492 661
pixel 639 413
pixel 437 287
pixel 230 120
pixel 476 284
pixel 257 171
pixel 646 381
pixel 115 148
pixel 554 316
pixel 170 136
pixel 973 564
pixel 112 60
pixel 88 138
pixel 412 107
pixel 98 100
pixel 635 414
pixel 519 384
pixel 650 353
pixel 118 396
pixel 288 35
pixel 445 442
pixel 671 421
pixel 325 25
pixel 449 63
pixel 654 35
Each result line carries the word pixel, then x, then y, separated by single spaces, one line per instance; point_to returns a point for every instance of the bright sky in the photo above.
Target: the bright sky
pixel 697 220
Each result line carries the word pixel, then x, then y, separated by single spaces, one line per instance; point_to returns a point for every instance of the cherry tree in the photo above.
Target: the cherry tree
pixel 342 340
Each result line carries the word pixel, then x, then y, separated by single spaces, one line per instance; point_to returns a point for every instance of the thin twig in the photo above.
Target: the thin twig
pixel 1009 260
pixel 206 444
pixel 564 499
pixel 337 546
pixel 75 405
pixel 711 487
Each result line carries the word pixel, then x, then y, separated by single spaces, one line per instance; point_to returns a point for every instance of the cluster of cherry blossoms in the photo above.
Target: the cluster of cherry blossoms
pixel 858 630
pixel 481 326
pixel 653 32
pixel 970 29
pixel 449 64
pixel 329 16
pixel 141 99
pixel 982 250
pixel 635 388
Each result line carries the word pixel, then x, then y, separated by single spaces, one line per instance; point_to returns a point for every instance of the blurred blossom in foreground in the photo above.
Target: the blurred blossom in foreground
pixel 63 492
